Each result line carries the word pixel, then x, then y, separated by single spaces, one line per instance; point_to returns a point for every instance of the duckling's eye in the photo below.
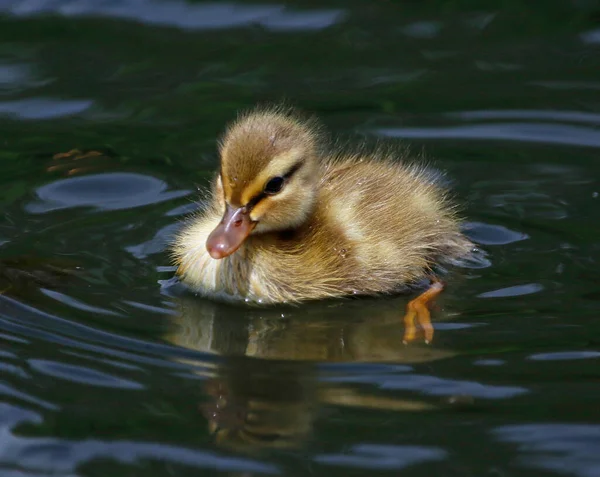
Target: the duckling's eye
pixel 274 185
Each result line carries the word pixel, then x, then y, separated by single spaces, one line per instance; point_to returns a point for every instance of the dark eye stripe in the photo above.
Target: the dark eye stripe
pixel 260 196
pixel 293 170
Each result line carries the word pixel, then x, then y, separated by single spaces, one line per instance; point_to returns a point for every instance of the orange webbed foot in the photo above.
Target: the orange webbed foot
pixel 417 314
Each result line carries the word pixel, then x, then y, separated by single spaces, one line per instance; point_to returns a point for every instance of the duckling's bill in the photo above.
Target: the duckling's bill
pixel 231 232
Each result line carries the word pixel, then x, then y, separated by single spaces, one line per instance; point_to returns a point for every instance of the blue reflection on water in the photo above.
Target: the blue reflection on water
pixel 568 448
pixel 43 108
pixel 54 455
pixel 109 191
pixel 514 131
pixel 185 15
pixel 379 456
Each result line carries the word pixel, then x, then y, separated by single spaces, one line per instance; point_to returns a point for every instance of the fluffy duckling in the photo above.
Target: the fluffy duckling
pixel 289 222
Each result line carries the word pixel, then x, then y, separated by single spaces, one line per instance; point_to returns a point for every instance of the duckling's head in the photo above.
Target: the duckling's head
pixel 268 178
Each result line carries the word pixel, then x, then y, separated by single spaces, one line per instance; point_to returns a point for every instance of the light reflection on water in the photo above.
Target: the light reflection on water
pixel 566 448
pixel 181 14
pixel 52 455
pixel 43 108
pixel 109 191
pixel 563 134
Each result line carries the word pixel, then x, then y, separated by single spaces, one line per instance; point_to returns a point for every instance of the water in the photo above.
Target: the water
pixel 109 113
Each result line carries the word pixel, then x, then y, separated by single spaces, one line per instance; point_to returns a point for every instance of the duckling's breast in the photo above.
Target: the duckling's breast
pixel 228 279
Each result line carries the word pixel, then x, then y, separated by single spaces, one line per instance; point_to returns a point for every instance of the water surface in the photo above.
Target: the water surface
pixel 110 113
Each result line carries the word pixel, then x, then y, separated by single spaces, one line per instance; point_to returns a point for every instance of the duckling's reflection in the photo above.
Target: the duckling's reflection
pixel 273 401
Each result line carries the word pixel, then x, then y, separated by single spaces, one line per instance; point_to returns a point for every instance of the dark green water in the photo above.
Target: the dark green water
pixel 107 370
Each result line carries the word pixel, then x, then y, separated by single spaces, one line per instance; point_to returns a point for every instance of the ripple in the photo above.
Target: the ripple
pixel 316 20
pixel 44 108
pixel 526 132
pixel 577 85
pixel 475 260
pixel 489 362
pixel 457 326
pixel 156 244
pixel 378 456
pixel 528 203
pixel 77 304
pixel 18 77
pixel 11 76
pixel 488 234
pixel 568 448
pixel 443 387
pixel 14 370
pixel 565 356
pixel 6 390
pixel 480 20
pixel 499 66
pixel 517 290
pixel 11 415
pixel 149 308
pixel 349 369
pixel 422 29
pixel 433 385
pixel 591 37
pixel 550 115
pixel 81 374
pixel 182 209
pixel 108 191
pixel 184 15
pixel 28 321
pixel 110 362
pixel 59 456
pixel 12 338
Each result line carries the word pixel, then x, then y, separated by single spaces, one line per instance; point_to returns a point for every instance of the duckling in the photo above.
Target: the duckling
pixel 288 221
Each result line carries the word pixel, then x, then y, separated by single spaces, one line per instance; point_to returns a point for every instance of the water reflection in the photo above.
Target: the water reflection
pixel 591 36
pixel 274 401
pixel 274 380
pixel 12 75
pixel 389 457
pixel 423 29
pixel 21 275
pixel 80 374
pixel 108 191
pixel 185 15
pixel 17 76
pixel 514 131
pixel 565 356
pixel 517 290
pixel 573 116
pixel 44 108
pixel 58 456
pixel 570 449
pixel 362 330
pixel 570 85
pixel 489 234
